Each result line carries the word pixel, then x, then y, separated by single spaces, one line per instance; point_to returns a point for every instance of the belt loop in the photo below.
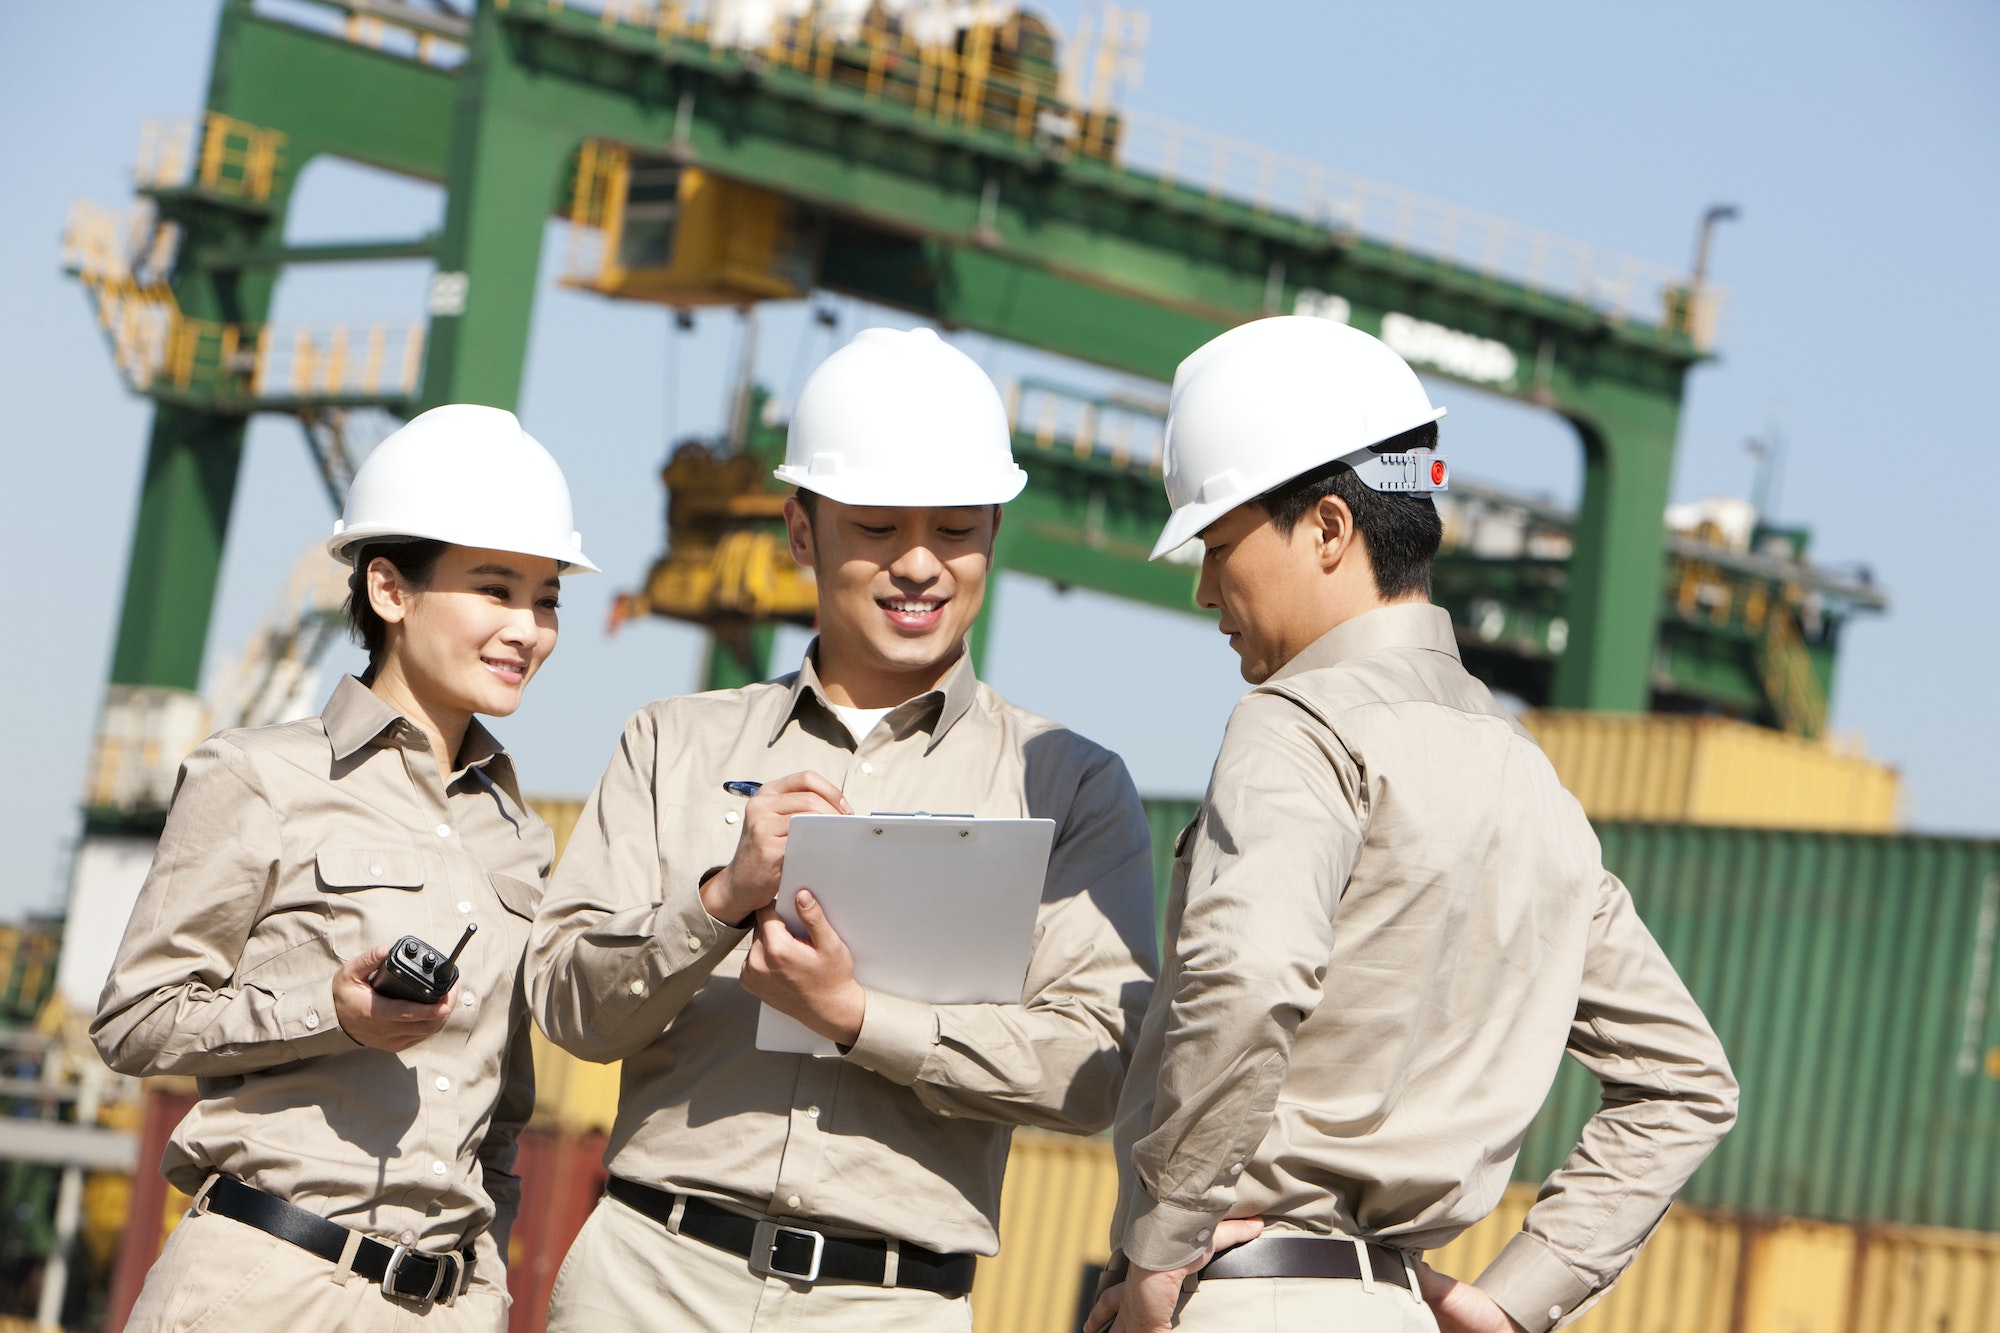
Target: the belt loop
pixel 343 1272
pixel 893 1262
pixel 1367 1267
pixel 200 1203
pixel 679 1210
pixel 1410 1267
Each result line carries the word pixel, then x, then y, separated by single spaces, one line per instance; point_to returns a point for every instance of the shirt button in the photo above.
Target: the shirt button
pixel 945 1111
pixel 437 1168
pixel 408 1238
pixel 375 871
pixel 444 830
pixel 867 767
pixel 693 942
pixel 813 1111
pixel 1555 1312
pixel 637 987
pixel 1203 1235
pixel 1236 1170
pixel 730 816
pixel 444 1084
pixel 465 907
pixel 792 1201
pixel 469 999
pixel 312 1018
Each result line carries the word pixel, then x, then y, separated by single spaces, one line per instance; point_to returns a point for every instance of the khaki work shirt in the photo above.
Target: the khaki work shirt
pixel 1387 924
pixel 907 1135
pixel 288 850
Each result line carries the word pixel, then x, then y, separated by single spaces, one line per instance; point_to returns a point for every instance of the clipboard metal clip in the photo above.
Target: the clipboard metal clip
pixel 915 814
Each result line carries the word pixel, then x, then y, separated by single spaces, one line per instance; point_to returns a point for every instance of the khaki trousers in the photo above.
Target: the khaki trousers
pixel 1287 1304
pixel 627 1271
pixel 220 1276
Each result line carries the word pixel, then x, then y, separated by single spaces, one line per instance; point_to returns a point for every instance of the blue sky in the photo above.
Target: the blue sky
pixel 1856 137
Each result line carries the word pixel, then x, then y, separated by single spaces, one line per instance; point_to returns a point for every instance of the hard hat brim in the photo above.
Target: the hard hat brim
pixel 904 491
pixel 341 545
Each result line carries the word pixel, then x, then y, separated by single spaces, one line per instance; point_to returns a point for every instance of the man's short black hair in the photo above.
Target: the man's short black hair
pixel 1402 530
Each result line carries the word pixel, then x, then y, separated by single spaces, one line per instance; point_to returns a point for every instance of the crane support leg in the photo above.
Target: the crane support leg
pixel 504 177
pixel 1619 558
pixel 184 503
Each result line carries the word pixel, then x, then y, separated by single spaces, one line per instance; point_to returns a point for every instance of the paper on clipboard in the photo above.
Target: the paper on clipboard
pixel 936 908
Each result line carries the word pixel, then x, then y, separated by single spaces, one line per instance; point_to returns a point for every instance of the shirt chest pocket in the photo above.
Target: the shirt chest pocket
pixel 372 894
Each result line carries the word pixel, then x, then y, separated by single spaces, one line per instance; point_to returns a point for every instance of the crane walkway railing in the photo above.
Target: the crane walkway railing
pixel 1405 221
pixel 124 262
pixel 213 153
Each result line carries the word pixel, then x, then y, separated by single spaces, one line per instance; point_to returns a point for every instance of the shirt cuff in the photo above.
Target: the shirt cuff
pixel 310 1022
pixel 1164 1235
pixel 1532 1284
pixel 685 930
pixel 896 1037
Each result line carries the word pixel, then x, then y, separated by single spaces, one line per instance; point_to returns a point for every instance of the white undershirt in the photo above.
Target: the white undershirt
pixel 860 721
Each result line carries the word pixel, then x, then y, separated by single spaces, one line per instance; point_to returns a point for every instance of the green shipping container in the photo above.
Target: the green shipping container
pixel 1852 978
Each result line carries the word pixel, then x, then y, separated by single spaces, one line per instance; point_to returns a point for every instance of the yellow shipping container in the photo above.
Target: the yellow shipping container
pixel 561 814
pixel 1711 770
pixel 1703 1270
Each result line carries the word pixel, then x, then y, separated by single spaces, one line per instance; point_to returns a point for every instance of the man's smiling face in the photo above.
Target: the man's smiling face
pixel 898 590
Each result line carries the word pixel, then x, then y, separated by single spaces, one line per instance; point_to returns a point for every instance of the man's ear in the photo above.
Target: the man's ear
pixel 1333 528
pixel 799 532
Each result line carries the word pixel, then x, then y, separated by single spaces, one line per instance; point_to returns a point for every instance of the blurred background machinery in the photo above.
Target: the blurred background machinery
pixel 958 163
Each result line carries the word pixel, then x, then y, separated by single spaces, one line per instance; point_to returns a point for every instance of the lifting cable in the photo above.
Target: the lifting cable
pixel 683 323
pixel 824 320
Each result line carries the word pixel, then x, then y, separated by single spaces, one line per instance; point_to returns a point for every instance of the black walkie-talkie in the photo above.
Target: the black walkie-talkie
pixel 418 973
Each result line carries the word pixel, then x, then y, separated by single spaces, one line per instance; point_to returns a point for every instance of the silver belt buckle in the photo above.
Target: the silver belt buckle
pixel 395 1265
pixel 763 1258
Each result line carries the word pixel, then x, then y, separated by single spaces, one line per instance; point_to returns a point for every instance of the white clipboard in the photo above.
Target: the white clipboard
pixel 937 908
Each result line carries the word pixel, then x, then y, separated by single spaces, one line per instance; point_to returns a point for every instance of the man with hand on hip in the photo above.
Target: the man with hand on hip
pixel 1388 921
pixel 758 1190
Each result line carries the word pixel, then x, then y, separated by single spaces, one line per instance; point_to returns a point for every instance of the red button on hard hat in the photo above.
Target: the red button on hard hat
pixel 1437 472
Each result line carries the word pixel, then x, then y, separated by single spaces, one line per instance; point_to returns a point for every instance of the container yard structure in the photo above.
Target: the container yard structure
pixel 976 175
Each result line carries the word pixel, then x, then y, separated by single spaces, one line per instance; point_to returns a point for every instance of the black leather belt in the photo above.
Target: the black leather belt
pixel 1307 1256
pixel 798 1253
pixel 401 1270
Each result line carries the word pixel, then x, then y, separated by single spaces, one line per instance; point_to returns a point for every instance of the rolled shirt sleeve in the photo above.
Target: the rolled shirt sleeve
pixel 618 949
pixel 1669 1097
pixel 1057 1059
pixel 172 1004
pixel 1279 838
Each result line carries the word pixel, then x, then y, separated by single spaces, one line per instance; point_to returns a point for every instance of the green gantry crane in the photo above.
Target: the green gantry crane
pixel 951 174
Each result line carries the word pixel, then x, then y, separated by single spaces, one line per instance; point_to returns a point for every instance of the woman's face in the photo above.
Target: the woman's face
pixel 472 640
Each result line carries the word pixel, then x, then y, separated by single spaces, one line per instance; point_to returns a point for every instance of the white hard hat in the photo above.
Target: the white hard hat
pixel 467 475
pixel 902 419
pixel 1275 398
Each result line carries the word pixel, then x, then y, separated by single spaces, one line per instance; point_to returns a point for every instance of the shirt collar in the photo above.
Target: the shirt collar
pixel 356 717
pixel 1406 625
pixel 952 697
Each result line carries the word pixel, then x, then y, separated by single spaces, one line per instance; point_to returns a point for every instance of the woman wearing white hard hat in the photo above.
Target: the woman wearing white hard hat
pixel 351 1154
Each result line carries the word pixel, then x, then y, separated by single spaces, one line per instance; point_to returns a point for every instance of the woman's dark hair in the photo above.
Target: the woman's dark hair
pixel 415 560
pixel 1402 531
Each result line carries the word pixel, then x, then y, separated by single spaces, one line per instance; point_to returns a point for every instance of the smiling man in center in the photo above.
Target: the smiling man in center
pixel 736 1173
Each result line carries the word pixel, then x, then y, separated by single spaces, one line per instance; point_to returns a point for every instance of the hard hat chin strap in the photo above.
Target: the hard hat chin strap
pixel 1420 471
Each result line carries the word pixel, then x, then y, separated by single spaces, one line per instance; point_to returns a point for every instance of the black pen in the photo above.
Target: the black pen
pixel 743 788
